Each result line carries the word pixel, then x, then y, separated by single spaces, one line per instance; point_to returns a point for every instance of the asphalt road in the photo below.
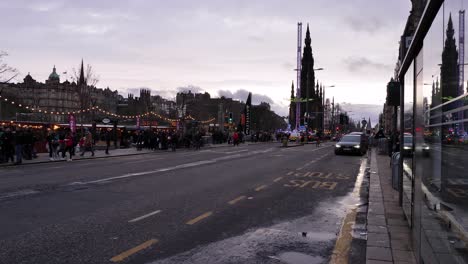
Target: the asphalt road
pixel 248 204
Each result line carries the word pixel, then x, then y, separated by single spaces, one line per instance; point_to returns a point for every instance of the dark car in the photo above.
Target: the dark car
pixel 408 146
pixel 353 144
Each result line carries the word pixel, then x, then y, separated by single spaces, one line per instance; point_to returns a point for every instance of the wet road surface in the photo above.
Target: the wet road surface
pixel 249 204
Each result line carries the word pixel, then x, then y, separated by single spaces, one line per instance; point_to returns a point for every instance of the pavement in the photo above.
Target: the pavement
pixel 388 236
pixel 100 153
pixel 248 204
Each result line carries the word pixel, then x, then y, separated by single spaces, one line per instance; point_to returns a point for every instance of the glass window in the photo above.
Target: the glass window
pixel 407 127
pixel 441 145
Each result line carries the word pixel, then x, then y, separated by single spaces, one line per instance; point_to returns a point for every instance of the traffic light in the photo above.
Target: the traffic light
pixel 341 119
pixel 230 118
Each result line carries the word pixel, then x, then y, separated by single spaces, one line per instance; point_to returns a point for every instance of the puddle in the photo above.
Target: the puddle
pixel 299 258
pixel 314 234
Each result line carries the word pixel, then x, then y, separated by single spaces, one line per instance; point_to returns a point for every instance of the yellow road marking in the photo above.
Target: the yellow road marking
pixel 278 179
pixel 259 188
pixel 236 200
pixel 199 218
pixel 343 243
pixel 134 250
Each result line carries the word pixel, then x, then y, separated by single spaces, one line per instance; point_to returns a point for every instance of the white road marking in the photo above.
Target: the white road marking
pixel 144 216
pixel 181 166
pixel 231 152
pixel 143 160
pixel 18 194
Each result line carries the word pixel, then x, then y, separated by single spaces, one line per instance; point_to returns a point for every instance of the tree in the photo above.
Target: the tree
pixel 7 73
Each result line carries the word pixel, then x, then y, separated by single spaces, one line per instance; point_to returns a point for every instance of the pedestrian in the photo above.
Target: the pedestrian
pixel 50 144
pixel 61 145
pixel 8 145
pixel 19 143
pixel 174 140
pixel 235 138
pixel 68 146
pixel 108 140
pixel 87 144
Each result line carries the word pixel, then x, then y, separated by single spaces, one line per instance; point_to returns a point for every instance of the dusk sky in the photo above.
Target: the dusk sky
pixel 222 47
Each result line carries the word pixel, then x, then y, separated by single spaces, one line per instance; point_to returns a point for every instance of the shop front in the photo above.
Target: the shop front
pixel 432 125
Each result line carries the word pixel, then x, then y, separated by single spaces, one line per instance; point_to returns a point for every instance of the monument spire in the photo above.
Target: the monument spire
pixel 82 80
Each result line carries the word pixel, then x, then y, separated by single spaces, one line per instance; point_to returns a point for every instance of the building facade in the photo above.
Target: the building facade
pixel 56 96
pixel 434 179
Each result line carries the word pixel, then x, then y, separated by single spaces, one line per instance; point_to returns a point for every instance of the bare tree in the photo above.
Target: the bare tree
pixel 7 73
pixel 90 76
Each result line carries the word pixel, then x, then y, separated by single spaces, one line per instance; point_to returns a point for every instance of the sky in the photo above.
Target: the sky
pixel 221 47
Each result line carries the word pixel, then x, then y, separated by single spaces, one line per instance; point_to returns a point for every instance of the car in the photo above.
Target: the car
pixel 353 144
pixel 453 139
pixel 408 146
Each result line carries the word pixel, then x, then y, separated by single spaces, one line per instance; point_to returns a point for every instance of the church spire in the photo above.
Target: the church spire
pixel 82 80
pixel 308 41
pixel 317 89
pixel 321 91
pixel 292 90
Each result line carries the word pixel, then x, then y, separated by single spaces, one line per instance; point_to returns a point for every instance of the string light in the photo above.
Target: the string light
pixel 97 108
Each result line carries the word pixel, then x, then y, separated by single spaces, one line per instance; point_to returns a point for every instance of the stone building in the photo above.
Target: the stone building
pixel 56 96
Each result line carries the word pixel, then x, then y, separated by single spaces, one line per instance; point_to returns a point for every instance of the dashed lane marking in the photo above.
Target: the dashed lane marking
pixel 234 201
pixel 261 187
pixel 278 179
pixel 122 256
pixel 199 218
pixel 144 216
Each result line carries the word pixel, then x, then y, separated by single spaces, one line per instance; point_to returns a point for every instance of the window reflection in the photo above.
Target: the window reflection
pixel 443 152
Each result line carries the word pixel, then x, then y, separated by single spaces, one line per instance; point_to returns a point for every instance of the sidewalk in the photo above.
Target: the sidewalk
pixel 100 153
pixel 44 157
pixel 389 236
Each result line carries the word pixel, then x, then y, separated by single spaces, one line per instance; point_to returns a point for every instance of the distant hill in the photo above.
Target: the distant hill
pixel 359 111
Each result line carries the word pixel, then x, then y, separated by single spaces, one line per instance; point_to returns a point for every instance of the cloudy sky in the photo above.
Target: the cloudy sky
pixel 222 47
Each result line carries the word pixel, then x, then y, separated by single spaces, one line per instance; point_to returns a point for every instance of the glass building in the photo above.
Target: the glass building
pixel 433 125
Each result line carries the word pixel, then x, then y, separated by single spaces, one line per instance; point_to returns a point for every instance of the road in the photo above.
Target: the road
pixel 249 204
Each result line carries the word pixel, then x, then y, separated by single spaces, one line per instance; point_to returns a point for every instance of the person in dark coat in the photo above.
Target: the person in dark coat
pixel 8 145
pixel 108 140
pixel 19 143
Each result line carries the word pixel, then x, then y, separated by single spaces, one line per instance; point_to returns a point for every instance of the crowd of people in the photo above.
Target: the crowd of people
pixel 16 144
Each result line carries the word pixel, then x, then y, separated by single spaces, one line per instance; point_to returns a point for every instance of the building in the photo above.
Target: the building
pixel 327 115
pixel 434 184
pixel 57 97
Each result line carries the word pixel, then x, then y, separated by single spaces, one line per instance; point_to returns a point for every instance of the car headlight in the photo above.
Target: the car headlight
pixel 357 146
pixel 426 147
pixel 337 146
pixel 407 148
